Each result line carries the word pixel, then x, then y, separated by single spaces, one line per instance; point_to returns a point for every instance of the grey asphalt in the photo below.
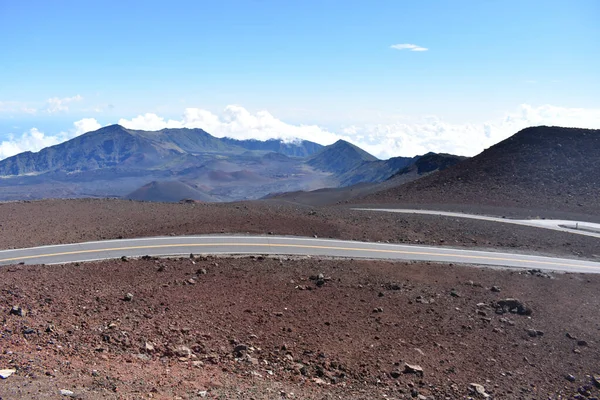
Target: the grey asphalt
pixel 575 227
pixel 283 245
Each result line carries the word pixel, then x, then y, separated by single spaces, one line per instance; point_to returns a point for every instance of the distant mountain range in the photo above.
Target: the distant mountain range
pixel 189 163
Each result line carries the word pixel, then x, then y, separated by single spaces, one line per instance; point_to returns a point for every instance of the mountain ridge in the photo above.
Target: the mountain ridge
pixel 543 167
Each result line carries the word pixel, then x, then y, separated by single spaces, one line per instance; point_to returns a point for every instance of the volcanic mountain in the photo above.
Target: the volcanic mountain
pixel 541 167
pixel 115 161
pixel 381 173
pixel 351 165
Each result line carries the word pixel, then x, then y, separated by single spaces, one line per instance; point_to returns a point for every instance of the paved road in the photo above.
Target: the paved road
pixel 575 227
pixel 184 245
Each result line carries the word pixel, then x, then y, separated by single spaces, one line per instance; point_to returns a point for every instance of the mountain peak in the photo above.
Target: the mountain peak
pixel 340 157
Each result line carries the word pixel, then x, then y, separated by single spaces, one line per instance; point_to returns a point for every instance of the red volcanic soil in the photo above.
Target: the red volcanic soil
pixel 272 328
pixel 26 224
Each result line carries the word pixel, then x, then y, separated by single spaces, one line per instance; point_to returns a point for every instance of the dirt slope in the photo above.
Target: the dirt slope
pixel 261 328
pixel 542 167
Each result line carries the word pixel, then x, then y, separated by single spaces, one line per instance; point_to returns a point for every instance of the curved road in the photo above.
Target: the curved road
pixel 184 245
pixel 575 227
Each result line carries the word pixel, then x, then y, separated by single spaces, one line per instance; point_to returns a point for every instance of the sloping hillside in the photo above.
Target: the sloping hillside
pixel 540 167
pixel 168 191
pixel 300 148
pixel 107 147
pixel 375 171
pixel 421 166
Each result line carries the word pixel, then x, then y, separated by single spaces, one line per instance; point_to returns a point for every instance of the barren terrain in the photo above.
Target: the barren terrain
pixel 549 168
pixel 26 224
pixel 271 328
pixel 264 328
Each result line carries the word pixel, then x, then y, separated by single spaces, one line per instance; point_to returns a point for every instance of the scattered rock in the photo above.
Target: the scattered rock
pixel 413 369
pixel 534 332
pixel 149 347
pixel 239 350
pixel 570 336
pixel 454 293
pixel 478 390
pixel 539 273
pixel 596 380
pixel 378 310
pixel 202 271
pixel 182 351
pixel 513 306
pixel 67 393
pixel 582 343
pixel 16 310
pixel 495 289
pixel 5 373
pixel 392 286
pixel 128 297
pixel 570 378
pixel 143 357
pixel 395 374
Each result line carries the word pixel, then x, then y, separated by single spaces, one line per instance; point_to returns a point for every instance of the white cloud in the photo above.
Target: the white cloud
pixel 399 138
pixel 468 139
pixel 235 122
pixel 408 46
pixel 34 140
pixel 85 125
pixel 383 140
pixel 56 104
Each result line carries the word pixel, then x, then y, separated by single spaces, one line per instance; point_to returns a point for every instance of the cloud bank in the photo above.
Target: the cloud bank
pixel 382 140
pixel 34 140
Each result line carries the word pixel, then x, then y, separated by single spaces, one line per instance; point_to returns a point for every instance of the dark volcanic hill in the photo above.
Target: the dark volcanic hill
pixel 351 165
pixel 383 175
pixel 541 167
pixel 168 191
pixel 340 157
pixel 426 164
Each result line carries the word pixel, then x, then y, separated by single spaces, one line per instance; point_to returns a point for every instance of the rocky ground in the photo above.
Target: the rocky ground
pixel 266 328
pixel 269 328
pixel 25 224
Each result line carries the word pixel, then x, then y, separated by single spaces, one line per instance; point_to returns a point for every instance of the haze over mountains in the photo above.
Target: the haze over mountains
pixel 156 165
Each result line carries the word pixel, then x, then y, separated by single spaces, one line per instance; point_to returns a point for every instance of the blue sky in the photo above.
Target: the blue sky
pixel 325 63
